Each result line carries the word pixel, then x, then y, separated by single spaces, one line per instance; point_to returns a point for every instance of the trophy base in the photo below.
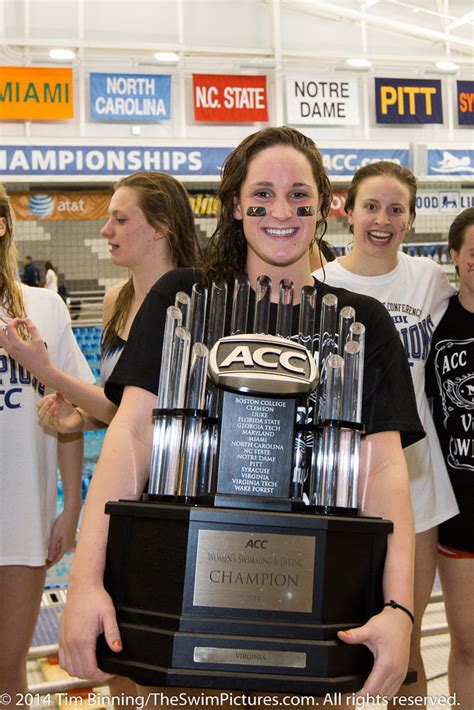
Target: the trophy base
pixel 241 599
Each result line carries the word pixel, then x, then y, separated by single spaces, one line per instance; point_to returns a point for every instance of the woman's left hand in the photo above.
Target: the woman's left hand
pixel 63 537
pixel 387 636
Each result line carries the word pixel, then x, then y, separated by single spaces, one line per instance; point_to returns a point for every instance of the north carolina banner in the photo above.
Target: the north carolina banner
pixel 465 102
pixel 322 101
pixel 125 97
pixel 36 93
pixel 229 97
pixel 408 101
pixel 52 205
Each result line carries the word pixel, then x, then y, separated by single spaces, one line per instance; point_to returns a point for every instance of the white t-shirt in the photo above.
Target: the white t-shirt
pixel 28 464
pixel 416 295
pixel 51 280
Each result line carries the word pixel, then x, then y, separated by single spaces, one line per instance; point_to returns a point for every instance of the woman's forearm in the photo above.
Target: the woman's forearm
pixel 121 472
pixel 388 496
pixel 85 395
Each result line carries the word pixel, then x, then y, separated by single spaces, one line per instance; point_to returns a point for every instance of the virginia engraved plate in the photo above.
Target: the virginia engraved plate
pixel 249 657
pixel 250 570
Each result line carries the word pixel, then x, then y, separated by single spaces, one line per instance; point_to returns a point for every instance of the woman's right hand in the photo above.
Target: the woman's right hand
pixel 57 413
pixel 32 352
pixel 88 613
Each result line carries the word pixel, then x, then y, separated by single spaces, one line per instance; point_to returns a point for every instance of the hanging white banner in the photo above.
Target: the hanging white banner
pixel 323 100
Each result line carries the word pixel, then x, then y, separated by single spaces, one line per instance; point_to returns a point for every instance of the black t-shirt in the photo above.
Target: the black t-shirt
pixel 450 381
pixel 388 402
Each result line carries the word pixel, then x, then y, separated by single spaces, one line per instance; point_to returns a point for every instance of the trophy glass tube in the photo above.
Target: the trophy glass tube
pixel 263 292
pixel 285 308
pixel 306 325
pixel 192 429
pixel 346 319
pixel 357 333
pixel 217 311
pixel 240 305
pixel 327 341
pixel 307 319
pixel 349 439
pixel 331 412
pixel 167 472
pixel 173 320
pixel 215 331
pixel 197 318
pixel 182 301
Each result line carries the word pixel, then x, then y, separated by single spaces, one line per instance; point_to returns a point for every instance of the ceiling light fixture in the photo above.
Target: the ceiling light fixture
pixel 359 63
pixel 166 57
pixel 447 66
pixel 62 54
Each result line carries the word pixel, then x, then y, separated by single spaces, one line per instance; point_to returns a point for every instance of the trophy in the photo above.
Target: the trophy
pixel 248 553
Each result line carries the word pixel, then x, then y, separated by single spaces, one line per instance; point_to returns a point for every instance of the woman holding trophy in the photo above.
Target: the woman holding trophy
pixel 275 195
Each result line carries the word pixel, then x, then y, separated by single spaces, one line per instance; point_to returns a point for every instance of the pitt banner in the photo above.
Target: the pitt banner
pixel 465 100
pixel 228 97
pixel 36 93
pixel 408 101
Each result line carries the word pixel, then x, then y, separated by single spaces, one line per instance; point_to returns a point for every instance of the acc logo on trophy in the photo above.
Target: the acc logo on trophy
pixel 262 364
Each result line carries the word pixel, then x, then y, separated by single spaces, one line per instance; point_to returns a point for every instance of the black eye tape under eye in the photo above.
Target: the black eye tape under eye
pixel 305 211
pixel 256 211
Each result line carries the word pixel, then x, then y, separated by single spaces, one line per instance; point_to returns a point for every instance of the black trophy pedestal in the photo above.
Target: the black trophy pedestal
pixel 240 599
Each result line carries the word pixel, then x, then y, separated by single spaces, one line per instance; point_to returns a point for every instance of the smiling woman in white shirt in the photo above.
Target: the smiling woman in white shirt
pixel 380 208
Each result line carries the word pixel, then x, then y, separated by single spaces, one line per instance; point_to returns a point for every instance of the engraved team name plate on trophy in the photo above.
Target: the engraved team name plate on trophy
pixel 257 433
pixel 247 555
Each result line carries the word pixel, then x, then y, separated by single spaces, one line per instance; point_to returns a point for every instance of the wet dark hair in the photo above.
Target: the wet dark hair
pixel 226 254
pixel 383 168
pixel 458 228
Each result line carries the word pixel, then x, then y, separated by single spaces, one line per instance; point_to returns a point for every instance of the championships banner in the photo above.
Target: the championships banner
pixel 319 101
pixel 49 161
pixel 408 101
pixel 125 97
pixel 228 97
pixel 36 93
pixel 111 160
pixel 465 102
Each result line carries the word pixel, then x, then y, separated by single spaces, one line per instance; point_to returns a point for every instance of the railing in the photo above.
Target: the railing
pixel 85 307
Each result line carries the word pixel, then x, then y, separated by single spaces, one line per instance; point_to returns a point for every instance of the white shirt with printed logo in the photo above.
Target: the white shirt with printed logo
pixel 28 480
pixel 416 295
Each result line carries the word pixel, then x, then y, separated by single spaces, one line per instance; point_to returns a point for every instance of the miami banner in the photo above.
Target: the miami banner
pixel 31 93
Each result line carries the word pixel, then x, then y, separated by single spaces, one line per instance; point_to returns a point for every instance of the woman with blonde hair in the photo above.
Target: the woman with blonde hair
pixel 32 538
pixel 150 230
